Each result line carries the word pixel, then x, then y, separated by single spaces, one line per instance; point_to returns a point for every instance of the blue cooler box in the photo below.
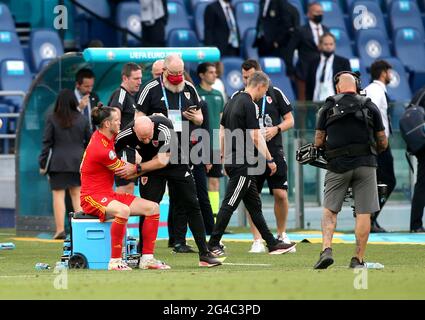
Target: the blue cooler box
pixel 92 239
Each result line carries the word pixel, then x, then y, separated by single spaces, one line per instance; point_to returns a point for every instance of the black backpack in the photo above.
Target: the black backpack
pixel 412 126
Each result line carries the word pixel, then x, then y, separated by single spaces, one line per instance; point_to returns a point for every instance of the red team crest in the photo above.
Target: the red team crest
pixel 155 143
pixel 269 100
pixel 144 180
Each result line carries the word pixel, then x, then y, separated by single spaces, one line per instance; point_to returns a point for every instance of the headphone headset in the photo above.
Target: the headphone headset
pixel 354 74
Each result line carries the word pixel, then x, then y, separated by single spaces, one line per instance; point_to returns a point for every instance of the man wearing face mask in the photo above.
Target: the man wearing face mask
pixel 322 70
pixel 306 40
pixel 177 99
pixel 380 71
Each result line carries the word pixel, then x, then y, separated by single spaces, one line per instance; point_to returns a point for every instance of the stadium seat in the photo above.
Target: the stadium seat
pixel 10 47
pixel 408 43
pixel 371 45
pixel 246 15
pixel 177 17
pixel 198 13
pixel 14 75
pixel 45 44
pixel 232 76
pixel 6 20
pixel 298 4
pixel 276 70
pixel 398 89
pixel 4 143
pixel 406 14
pixel 235 2
pixel 128 17
pixel 182 38
pixel 248 40
pixel 367 15
pixel 343 43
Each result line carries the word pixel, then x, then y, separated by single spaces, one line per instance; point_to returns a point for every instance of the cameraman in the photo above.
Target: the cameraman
pixel 349 127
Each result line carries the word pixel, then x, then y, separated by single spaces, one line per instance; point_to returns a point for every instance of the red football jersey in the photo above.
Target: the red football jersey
pixel 98 166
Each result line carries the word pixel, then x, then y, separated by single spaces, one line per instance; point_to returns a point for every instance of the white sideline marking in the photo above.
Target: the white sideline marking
pixel 247 264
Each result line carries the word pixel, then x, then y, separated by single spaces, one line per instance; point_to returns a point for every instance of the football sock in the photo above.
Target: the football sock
pixel 149 233
pixel 117 235
pixel 215 202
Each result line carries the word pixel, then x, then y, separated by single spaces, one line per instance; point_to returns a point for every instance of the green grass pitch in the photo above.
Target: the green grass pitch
pixel 281 277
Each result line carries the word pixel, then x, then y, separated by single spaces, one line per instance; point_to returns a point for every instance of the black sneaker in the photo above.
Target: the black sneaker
pixel 217 250
pixel 355 263
pixel 183 248
pixel 419 230
pixel 280 247
pixel 209 260
pixel 325 259
pixel 376 228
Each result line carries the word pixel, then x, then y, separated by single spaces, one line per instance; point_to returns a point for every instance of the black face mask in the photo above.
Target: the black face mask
pixel 327 54
pixel 318 19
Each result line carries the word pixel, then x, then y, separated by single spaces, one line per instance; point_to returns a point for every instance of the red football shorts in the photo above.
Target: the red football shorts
pixel 96 204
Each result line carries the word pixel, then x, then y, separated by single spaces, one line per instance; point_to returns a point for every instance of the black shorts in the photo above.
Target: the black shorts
pixel 277 181
pixel 64 180
pixel 131 157
pixel 216 171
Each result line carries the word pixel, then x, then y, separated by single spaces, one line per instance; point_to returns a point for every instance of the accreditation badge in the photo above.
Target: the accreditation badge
pixel 176 118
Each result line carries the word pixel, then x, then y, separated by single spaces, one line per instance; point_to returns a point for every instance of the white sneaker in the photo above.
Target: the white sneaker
pixel 118 265
pixel 285 239
pixel 153 264
pixel 257 247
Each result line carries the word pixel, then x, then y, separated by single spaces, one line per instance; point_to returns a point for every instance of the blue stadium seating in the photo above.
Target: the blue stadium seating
pixel 297 4
pixel 246 15
pixel 45 45
pixel 4 129
pixel 398 89
pixel 100 7
pixel 177 17
pixel 248 51
pixel 6 20
pixel 276 70
pixel 14 75
pixel 343 43
pixel 182 38
pixel 408 44
pixel 406 14
pixel 366 14
pixel 10 47
pixel 372 44
pixel 232 76
pixel 198 14
pixel 235 2
pixel 128 17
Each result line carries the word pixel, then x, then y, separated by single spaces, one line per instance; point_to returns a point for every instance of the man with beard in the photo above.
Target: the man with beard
pixel 380 71
pixel 178 100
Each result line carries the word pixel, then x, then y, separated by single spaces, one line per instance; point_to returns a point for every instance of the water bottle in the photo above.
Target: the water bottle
pixel 374 265
pixel 7 246
pixel 42 266
pixel 61 265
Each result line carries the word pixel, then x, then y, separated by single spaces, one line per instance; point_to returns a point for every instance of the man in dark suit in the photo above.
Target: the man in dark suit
pixel 221 29
pixel 322 69
pixel 306 40
pixel 87 98
pixel 275 25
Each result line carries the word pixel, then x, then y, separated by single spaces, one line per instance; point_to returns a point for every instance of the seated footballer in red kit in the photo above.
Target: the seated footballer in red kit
pixel 98 198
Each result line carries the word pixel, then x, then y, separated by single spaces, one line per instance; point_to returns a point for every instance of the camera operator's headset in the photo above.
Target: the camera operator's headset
pixel 354 74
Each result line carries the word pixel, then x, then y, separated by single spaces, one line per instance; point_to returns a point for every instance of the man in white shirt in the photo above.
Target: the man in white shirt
pixel 381 76
pixel 87 98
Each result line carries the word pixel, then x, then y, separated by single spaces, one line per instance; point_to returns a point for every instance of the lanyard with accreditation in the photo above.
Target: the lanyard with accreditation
pixel 174 115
